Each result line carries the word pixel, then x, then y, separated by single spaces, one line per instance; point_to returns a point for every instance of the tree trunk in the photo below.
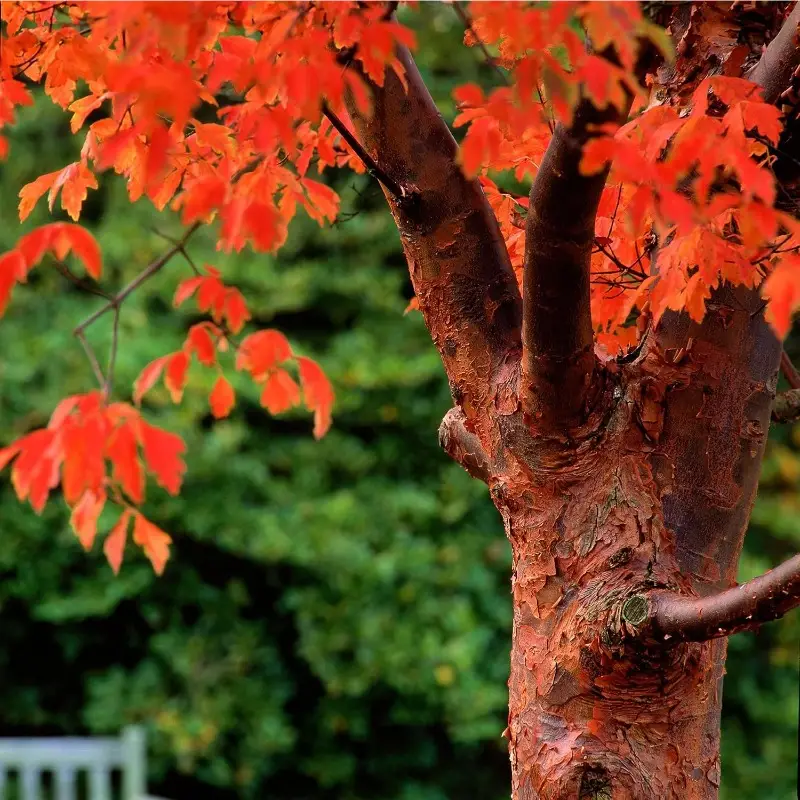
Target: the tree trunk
pixel 625 485
pixel 655 491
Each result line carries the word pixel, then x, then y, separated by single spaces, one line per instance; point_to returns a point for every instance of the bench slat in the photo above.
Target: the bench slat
pixel 31 780
pixel 99 783
pixel 65 783
pixel 68 751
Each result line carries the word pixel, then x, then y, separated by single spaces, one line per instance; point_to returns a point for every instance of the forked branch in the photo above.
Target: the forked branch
pixel 668 615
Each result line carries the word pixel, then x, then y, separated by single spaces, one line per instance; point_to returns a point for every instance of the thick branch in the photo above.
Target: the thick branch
pixel 558 355
pixel 463 446
pixel 457 259
pixel 668 615
pixel 774 69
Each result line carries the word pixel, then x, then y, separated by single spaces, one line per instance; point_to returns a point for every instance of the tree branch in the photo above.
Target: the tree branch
pixel 774 69
pixel 151 269
pixel 463 446
pixel 457 259
pixel 668 615
pixel 557 351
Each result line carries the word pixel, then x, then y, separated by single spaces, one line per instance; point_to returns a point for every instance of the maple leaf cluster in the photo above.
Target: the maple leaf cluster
pixel 84 437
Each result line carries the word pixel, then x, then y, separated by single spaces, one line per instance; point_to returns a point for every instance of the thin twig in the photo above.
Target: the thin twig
pixel 146 273
pixel 369 162
pixel 467 20
pixel 81 284
pixel 112 356
pixel 92 358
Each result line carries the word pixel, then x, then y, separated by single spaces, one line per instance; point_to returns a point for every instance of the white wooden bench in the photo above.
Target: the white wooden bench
pixel 25 762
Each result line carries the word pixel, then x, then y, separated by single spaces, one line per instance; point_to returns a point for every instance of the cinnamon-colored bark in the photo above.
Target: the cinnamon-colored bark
pixel 668 615
pixel 625 487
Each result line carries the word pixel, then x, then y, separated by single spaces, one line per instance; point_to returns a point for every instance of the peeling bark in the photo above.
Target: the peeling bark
pixel 626 486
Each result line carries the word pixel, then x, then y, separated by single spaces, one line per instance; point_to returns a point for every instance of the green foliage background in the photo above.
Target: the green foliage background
pixel 335 621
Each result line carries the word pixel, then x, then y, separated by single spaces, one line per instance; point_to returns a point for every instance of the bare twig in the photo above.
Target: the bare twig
pixel 148 272
pixel 81 284
pixel 668 615
pixel 98 373
pixel 112 356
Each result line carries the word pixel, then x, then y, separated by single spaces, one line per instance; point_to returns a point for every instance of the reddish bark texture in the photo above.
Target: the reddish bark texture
pixel 615 479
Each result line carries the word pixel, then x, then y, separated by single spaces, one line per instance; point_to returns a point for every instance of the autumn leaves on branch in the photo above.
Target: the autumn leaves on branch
pixel 464 284
pixel 518 292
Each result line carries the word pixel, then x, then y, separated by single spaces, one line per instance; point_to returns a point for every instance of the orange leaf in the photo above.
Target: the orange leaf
pixel 114 545
pixel 147 378
pixel 153 541
pixel 84 466
pixel 782 290
pixel 186 289
pixel 199 341
pixel 175 377
pixel 72 181
pixel 35 472
pixel 35 244
pixel 11 265
pixel 324 201
pixel 318 393
pixel 260 352
pixel 7 454
pixel 280 392
pixel 222 398
pixel 76 238
pixel 82 108
pixel 162 455
pixel 236 311
pixel 123 452
pixel 85 515
pixel 31 193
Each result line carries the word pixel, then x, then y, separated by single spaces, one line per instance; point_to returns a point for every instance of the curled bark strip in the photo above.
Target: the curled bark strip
pixel 774 69
pixel 456 255
pixel 786 407
pixel 668 615
pixel 463 446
